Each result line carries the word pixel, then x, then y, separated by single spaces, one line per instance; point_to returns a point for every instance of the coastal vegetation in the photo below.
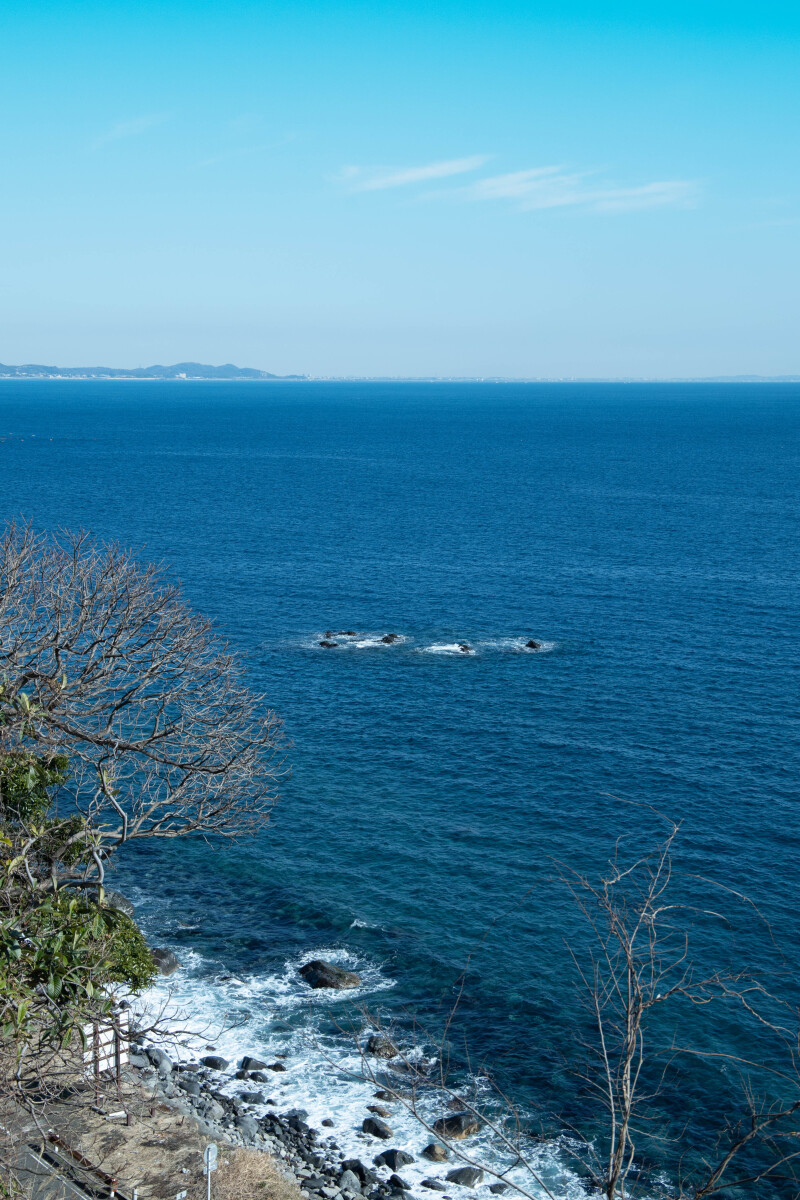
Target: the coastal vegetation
pixel 122 717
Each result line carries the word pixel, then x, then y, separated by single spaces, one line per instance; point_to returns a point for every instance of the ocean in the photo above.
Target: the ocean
pixel 645 535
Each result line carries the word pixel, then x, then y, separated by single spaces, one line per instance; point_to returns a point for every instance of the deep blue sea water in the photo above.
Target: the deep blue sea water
pixel 647 534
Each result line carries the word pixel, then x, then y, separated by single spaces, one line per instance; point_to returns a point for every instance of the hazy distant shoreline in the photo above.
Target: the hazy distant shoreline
pixel 200 372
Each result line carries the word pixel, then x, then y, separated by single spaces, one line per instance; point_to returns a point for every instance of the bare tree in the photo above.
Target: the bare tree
pixel 656 1021
pixel 103 664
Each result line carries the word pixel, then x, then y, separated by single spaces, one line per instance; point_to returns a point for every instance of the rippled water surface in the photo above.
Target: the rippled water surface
pixel 646 536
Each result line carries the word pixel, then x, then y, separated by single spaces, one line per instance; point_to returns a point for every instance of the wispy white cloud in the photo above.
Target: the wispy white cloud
pixel 554 187
pixel 125 129
pixel 363 179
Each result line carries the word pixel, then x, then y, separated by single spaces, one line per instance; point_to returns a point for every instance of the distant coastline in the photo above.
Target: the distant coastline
pixel 191 371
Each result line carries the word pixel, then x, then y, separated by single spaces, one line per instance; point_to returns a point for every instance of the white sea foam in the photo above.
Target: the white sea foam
pixel 318 1033
pixel 448 648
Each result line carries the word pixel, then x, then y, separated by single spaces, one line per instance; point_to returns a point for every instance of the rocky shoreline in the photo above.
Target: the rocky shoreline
pixel 311 1157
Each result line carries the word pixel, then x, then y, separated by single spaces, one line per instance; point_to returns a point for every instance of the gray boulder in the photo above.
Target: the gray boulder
pixel 247 1127
pixel 319 974
pixel 377 1127
pixel 215 1062
pixel 394 1159
pixel 349 1182
pixel 190 1085
pixel 436 1153
pixel 465 1176
pixel 159 1059
pixel 456 1126
pixel 381 1047
pixel 165 960
pixel 120 902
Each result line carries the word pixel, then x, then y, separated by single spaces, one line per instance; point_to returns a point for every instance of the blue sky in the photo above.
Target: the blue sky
pixel 554 189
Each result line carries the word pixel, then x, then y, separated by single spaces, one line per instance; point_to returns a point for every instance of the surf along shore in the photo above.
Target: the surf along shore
pixel 148 1136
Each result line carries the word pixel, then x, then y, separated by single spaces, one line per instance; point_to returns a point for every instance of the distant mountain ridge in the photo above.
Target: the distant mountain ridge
pixel 186 370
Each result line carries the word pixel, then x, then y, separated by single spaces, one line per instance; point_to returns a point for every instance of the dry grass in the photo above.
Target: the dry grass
pixel 251 1175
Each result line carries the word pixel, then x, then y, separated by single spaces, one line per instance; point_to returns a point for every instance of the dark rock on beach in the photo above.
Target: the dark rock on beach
pixel 319 974
pixel 394 1159
pixel 457 1126
pixel 398 1184
pixel 252 1097
pixel 436 1153
pixel 381 1047
pixel 357 1167
pixel 465 1176
pixel 215 1062
pixel 376 1127
pixel 165 960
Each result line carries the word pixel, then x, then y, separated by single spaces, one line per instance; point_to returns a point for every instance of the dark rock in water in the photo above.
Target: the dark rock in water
pixel 379 1110
pixel 252 1064
pixel 328 645
pixel 276 1067
pixel 389 638
pixel 298 1114
pixel 215 1062
pixel 464 648
pixel 394 1159
pixel 435 1185
pixel 465 1176
pixel 328 1123
pixel 252 1097
pixel 381 1047
pixel 377 1128
pixel 349 1181
pixel 165 960
pixel 398 1184
pixel 119 902
pixel 242 1075
pixel 319 974
pixel 532 645
pixel 384 1095
pixel 498 1188
pixel 456 1104
pixel 457 1126
pixel 436 1153
pixel 247 1127
pixel 259 1076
